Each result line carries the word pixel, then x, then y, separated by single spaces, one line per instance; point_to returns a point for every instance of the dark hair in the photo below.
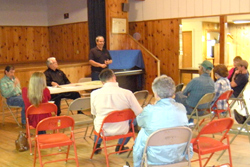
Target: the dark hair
pixel 237 58
pixel 106 74
pixel 8 68
pixel 221 70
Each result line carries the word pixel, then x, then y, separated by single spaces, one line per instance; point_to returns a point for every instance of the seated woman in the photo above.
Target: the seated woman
pixel 35 94
pixel 221 85
pixel 166 113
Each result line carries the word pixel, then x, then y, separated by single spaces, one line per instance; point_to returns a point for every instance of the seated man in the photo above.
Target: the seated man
pixel 56 77
pixel 110 98
pixel 197 88
pixel 11 90
pixel 165 113
pixel 240 77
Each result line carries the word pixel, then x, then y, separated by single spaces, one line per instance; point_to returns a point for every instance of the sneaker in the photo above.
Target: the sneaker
pixel 80 112
pixel 98 151
pixel 123 148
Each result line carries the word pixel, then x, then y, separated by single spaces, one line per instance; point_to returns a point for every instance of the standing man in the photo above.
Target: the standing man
pixel 99 58
pixel 197 88
pixel 56 77
pixel 240 77
pixel 11 90
pixel 110 98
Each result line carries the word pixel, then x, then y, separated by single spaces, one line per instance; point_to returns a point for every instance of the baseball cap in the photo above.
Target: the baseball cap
pixel 207 65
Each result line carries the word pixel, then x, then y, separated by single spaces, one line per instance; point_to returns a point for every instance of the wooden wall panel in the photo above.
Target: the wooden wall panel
pixel 70 41
pixel 20 44
pixel 161 37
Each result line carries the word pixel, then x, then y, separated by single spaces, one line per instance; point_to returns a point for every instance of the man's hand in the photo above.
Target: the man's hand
pixel 16 82
pixel 103 65
pixel 107 62
pixel 54 84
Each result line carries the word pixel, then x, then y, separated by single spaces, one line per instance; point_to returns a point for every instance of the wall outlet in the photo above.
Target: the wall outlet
pixel 66 15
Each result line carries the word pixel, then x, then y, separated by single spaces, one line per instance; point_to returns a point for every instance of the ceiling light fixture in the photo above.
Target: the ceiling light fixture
pixel 241 21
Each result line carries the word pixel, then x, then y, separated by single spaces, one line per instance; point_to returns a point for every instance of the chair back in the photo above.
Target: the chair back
pixel 170 136
pixel 80 104
pixel 217 126
pixel 55 123
pixel 85 79
pixel 224 96
pixel 206 99
pixel 43 108
pixel 179 87
pixel 141 96
pixel 119 116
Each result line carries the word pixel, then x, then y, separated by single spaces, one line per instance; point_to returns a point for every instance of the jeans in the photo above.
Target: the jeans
pixel 95 76
pixel 18 101
pixel 120 140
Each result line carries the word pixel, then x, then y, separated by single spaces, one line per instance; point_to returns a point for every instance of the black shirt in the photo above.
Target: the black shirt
pixel 57 76
pixel 99 56
pixel 241 80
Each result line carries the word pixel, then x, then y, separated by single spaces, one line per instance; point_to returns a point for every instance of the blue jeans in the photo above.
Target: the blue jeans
pixel 120 140
pixel 18 101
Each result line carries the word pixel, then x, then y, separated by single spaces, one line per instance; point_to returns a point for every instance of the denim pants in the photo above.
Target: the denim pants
pixel 18 101
pixel 120 140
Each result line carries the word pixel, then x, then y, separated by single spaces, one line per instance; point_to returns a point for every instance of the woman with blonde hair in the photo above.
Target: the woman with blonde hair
pixel 36 93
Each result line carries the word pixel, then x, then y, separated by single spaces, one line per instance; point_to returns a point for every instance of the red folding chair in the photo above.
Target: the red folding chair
pixel 56 139
pixel 43 108
pixel 224 96
pixel 208 145
pixel 115 117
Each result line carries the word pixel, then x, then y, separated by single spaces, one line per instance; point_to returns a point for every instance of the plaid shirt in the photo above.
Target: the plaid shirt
pixel 8 89
pixel 221 85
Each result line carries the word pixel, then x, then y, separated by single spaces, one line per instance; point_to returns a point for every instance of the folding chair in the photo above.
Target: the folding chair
pixel 115 117
pixel 43 108
pixel 165 137
pixel 141 96
pixel 203 144
pixel 207 100
pixel 86 92
pixel 81 119
pixel 179 87
pixel 224 96
pixel 9 108
pixel 56 139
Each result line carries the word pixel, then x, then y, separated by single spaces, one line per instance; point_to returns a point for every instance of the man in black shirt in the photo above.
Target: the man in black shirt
pixel 56 77
pixel 99 58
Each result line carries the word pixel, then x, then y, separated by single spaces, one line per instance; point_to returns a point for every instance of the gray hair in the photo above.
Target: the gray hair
pixel 163 86
pixel 97 38
pixel 48 62
pixel 206 70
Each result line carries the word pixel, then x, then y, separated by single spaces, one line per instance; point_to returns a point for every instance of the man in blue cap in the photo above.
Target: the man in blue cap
pixel 197 88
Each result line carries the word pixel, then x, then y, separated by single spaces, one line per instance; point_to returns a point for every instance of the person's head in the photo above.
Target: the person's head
pixel 163 87
pixel 52 63
pixel 242 65
pixel 99 42
pixel 236 60
pixel 205 67
pixel 37 84
pixel 9 71
pixel 220 71
pixel 107 75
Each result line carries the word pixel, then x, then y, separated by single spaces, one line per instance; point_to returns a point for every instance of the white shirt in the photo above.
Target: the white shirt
pixel 110 98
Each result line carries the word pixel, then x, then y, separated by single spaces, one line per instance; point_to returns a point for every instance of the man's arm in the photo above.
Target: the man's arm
pixel 7 89
pixel 96 64
pixel 48 78
pixel 134 104
pixel 233 83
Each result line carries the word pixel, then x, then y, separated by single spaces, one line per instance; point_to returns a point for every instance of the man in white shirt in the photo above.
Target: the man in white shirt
pixel 110 98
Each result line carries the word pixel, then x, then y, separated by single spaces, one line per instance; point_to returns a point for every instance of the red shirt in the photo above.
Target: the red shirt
pixel 35 119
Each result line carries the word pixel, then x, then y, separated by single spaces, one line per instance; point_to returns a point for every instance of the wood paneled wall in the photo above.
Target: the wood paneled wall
pixel 69 42
pixel 19 44
pixel 161 37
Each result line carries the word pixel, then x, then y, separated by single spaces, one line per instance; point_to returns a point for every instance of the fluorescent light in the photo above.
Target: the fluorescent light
pixel 241 21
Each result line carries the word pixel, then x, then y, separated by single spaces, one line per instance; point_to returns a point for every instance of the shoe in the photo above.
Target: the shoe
pixel 123 148
pixel 98 151
pixel 80 112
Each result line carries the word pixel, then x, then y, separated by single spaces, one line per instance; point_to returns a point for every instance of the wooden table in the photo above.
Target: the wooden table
pixel 75 87
pixel 189 70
